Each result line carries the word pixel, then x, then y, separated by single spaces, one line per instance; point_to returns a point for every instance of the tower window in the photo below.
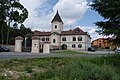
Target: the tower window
pixel 54 41
pixel 55 26
pixel 74 38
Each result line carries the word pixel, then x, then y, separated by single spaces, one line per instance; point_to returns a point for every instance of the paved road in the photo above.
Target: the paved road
pixel 19 55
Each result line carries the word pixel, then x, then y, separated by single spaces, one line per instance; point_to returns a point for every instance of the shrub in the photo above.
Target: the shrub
pixel 79 70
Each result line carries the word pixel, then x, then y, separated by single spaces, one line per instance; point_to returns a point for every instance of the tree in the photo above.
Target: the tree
pixel 3 14
pixel 13 12
pixel 110 11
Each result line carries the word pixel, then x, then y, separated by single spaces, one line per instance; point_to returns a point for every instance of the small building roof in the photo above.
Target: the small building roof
pixel 57 18
pixel 19 38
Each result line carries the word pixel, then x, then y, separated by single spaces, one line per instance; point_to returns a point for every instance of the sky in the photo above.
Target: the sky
pixel 74 13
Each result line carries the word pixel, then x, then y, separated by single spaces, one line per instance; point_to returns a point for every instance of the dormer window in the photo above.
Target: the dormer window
pixel 55 26
pixel 77 31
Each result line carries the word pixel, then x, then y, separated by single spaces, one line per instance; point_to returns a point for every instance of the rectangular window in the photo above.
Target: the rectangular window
pixel 55 26
pixel 47 39
pixel 64 39
pixel 43 39
pixel 79 38
pixel 74 38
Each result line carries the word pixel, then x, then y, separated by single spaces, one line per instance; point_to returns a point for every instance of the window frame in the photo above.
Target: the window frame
pixel 43 39
pixel 47 39
pixel 54 40
pixel 73 46
pixel 74 38
pixel 55 26
pixel 63 38
pixel 79 38
pixel 79 45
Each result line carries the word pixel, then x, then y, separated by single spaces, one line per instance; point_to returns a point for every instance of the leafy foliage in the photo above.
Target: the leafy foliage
pixel 12 13
pixel 110 11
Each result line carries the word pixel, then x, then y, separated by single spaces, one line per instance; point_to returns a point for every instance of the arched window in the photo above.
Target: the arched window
pixel 54 41
pixel 73 45
pixel 64 39
pixel 55 26
pixel 74 38
pixel 80 38
pixel 79 45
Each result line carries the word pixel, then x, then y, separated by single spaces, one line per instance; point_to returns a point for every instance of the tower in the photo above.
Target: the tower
pixel 56 24
pixel 56 29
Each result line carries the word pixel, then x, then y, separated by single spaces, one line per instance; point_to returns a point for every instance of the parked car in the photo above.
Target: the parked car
pixel 117 50
pixel 91 49
pixel 1 49
pixel 4 49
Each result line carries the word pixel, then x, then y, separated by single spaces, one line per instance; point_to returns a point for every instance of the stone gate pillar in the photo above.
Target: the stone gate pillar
pixel 18 44
pixel 35 44
pixel 46 47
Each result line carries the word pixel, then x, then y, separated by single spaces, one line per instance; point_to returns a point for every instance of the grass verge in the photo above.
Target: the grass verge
pixel 69 52
pixel 100 68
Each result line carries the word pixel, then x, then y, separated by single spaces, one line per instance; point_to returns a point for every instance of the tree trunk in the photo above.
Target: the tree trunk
pixel 8 31
pixel 2 34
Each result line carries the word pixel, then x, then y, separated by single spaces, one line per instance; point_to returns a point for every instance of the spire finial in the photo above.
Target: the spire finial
pixel 57 18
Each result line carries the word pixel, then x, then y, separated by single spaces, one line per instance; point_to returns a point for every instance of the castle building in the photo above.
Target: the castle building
pixel 73 39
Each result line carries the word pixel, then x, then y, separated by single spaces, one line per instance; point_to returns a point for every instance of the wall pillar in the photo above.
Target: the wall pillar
pixel 46 47
pixel 18 44
pixel 35 44
pixel 25 41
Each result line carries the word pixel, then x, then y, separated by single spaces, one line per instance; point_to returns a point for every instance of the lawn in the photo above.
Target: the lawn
pixel 102 68
pixel 69 52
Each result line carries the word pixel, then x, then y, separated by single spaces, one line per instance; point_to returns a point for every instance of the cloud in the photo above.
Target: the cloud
pixel 33 20
pixel 41 13
pixel 91 31
pixel 70 10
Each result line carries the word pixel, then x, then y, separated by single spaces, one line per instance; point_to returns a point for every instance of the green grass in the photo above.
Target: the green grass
pixel 99 68
pixel 69 52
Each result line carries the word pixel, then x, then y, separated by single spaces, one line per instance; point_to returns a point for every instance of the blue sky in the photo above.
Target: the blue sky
pixel 74 13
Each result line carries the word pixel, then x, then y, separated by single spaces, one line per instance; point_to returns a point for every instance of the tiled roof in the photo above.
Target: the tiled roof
pixel 57 18
pixel 76 31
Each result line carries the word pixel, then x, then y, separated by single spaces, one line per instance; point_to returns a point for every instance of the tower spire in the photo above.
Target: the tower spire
pixel 57 18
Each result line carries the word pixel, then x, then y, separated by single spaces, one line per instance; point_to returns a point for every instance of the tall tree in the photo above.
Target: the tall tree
pixel 3 14
pixel 15 13
pixel 110 11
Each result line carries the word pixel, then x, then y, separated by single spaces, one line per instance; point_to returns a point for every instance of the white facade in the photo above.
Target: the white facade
pixel 60 39
pixel 85 42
